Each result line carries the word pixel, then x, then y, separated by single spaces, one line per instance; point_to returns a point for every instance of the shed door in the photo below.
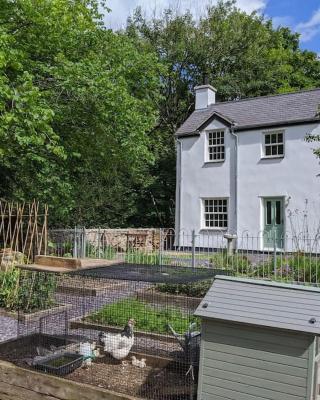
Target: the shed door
pixel 273 223
pixel 239 362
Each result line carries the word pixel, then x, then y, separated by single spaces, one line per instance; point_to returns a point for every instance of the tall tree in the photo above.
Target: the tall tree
pixel 76 104
pixel 241 54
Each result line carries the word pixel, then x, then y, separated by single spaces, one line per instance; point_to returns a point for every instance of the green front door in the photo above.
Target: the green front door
pixel 273 223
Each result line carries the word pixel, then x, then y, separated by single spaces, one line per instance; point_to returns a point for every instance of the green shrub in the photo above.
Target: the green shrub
pixel 149 318
pixel 192 289
pixel 236 262
pixel 26 291
pixel 9 288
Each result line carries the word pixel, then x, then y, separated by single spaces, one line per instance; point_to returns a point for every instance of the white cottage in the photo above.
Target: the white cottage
pixel 245 166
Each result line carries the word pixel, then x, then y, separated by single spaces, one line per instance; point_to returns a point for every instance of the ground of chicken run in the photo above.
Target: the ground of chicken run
pixel 108 373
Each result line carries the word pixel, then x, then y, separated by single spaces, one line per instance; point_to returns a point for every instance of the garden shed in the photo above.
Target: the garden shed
pixel 259 341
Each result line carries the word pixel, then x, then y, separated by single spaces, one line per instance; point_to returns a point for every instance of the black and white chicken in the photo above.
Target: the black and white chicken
pixel 118 344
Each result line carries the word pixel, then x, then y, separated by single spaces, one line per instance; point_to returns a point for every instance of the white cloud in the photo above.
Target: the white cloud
pixel 310 28
pixel 121 9
pixel 282 21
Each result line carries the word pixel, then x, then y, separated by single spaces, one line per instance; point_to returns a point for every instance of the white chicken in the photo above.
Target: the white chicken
pixel 120 344
pixel 138 363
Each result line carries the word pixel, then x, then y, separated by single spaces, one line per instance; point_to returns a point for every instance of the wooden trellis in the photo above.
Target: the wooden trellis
pixel 23 230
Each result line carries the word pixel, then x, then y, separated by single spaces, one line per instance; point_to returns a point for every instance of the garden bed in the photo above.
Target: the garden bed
pixel 149 318
pixel 35 315
pixel 153 296
pixel 83 324
pixel 106 379
pixel 78 286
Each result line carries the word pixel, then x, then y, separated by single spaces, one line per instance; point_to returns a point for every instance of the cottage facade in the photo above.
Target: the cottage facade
pixel 245 167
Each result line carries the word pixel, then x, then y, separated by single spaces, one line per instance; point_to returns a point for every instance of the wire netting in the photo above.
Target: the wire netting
pixel 126 328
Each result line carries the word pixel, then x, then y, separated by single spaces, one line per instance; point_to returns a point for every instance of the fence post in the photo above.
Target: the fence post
pixel 75 243
pixel 193 243
pixel 274 256
pixel 160 246
pixel 99 243
pixel 83 252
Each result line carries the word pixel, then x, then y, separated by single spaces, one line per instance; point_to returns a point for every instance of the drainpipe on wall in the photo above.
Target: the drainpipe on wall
pixel 236 177
pixel 178 191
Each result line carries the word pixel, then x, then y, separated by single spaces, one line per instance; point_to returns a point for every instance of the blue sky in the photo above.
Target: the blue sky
pixel 302 16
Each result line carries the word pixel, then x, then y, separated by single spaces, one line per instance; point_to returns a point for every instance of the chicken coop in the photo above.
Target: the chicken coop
pixel 259 341
pixel 116 332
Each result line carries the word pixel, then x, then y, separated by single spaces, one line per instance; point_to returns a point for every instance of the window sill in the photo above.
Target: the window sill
pixel 271 157
pixel 215 161
pixel 214 229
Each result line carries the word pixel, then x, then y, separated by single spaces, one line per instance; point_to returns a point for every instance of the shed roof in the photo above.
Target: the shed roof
pixel 262 303
pixel 282 109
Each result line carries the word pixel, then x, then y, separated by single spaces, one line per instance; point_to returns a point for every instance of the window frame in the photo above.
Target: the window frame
pixel 207 146
pixel 264 145
pixel 203 213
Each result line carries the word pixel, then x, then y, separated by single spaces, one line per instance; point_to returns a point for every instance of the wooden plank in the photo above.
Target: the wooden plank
pixel 52 261
pixel 79 324
pixel 278 349
pixel 213 357
pixel 243 376
pixel 17 392
pixel 53 386
pixel 243 391
pixel 267 335
pixel 255 353
pixel 252 370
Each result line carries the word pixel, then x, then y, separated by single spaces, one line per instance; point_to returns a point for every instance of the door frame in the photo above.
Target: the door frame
pixel 262 220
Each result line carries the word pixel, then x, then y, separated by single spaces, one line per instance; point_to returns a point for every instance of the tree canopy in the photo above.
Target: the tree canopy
pixel 87 115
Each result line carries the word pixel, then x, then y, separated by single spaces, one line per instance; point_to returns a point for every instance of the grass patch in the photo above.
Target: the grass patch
pixel 149 318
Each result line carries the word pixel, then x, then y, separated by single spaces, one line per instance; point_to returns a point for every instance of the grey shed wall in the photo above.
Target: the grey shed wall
pixel 241 362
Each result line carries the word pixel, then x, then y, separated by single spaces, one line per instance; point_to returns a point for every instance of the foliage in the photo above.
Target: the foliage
pixel 298 267
pixel 148 317
pixel 193 289
pixel 9 286
pixel 87 115
pixel 238 262
pixel 105 252
pixel 141 257
pixel 240 54
pixel 26 291
pixel 76 105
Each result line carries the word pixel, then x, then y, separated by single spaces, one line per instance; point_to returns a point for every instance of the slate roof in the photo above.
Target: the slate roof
pixel 283 109
pixel 261 303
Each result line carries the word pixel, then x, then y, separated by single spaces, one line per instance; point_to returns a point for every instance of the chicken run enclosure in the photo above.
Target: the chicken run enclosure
pixel 126 328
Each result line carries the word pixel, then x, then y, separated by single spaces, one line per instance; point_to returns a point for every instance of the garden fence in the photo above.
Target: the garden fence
pixel 125 328
pixel 291 258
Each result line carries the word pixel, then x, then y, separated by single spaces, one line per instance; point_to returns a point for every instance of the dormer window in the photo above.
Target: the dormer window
pixel 273 144
pixel 215 146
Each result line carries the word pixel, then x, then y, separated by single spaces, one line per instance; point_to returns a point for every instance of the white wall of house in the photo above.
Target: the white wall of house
pixel 293 178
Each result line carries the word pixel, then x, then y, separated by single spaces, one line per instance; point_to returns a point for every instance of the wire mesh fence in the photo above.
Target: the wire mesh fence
pixel 126 328
pixel 291 258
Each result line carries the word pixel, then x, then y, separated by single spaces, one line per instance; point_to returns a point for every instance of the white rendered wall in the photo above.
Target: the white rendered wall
pixel 201 179
pixel 293 177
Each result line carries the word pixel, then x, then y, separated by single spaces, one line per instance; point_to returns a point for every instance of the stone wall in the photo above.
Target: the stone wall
pixel 121 240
